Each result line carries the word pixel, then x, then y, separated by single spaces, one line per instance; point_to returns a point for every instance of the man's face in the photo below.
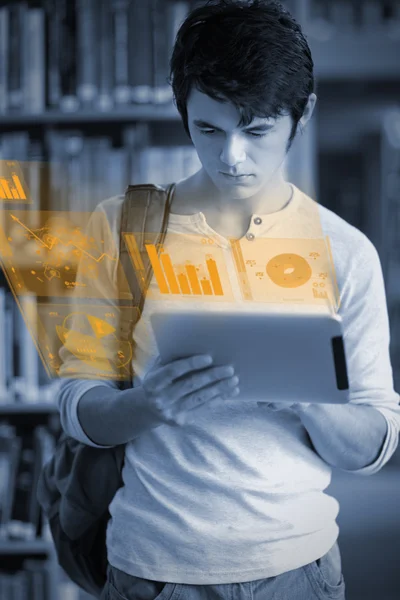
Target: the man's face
pixel 225 150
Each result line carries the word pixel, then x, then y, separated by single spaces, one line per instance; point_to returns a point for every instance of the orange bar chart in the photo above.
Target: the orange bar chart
pixel 187 283
pixel 12 186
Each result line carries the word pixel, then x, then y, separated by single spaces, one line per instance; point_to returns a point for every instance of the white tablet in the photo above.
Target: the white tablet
pixel 277 357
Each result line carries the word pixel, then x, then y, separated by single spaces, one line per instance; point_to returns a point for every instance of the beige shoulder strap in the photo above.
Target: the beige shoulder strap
pixel 145 210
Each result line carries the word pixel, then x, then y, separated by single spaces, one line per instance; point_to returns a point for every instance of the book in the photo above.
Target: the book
pixel 319 23
pixel 161 28
pixel 15 57
pixel 82 200
pixel 87 56
pixel 342 15
pixel 37 575
pixel 4 349
pixel 16 145
pixel 4 50
pixel 177 11
pixel 372 16
pixel 53 32
pixel 135 139
pixel 120 18
pixel 34 75
pixel 67 64
pixel 10 448
pixel 10 308
pixel 37 175
pixel 43 447
pixel 26 381
pixel 6 582
pixel 393 20
pixel 19 527
pixel 20 585
pixel 73 145
pixel 118 170
pixel 140 47
pixel 57 183
pixel 100 149
pixel 152 166
pixel 106 64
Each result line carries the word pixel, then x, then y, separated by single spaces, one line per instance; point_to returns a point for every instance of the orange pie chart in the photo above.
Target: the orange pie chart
pixel 289 270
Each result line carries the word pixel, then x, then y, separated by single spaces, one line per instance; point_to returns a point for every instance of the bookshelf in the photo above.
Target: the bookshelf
pixel 85 118
pixel 351 39
pixel 29 567
pixel 151 113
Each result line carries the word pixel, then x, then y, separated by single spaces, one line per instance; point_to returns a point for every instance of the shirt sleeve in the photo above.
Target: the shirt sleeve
pixel 366 337
pixel 69 395
pixel 80 369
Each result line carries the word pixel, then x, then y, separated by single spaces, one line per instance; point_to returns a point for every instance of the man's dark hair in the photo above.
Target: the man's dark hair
pixel 250 53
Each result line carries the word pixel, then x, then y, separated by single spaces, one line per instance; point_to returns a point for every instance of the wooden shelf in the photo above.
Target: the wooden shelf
pixel 12 547
pixel 146 112
pixel 345 56
pixel 27 408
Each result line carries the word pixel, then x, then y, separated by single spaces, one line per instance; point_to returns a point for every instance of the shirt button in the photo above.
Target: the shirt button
pixel 250 236
pixel 257 221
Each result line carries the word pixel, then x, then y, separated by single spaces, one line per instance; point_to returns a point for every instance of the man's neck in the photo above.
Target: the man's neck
pixel 267 201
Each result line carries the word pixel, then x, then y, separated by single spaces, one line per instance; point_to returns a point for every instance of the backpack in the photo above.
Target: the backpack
pixel 78 483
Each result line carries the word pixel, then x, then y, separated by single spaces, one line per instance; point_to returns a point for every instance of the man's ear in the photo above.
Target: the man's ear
pixel 308 111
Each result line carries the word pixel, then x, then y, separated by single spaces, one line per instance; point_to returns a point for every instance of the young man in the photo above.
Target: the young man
pixel 223 499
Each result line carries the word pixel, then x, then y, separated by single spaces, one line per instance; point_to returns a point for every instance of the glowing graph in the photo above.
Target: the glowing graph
pixel 41 251
pixel 88 335
pixel 183 283
pixel 286 270
pixel 13 187
pixel 187 266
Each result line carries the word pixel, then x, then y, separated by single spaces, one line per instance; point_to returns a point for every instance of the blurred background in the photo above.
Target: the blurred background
pixel 85 109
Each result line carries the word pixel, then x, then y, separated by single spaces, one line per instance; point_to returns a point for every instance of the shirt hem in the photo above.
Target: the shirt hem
pixel 314 547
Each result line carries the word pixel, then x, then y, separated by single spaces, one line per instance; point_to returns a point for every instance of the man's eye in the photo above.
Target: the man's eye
pixel 259 135
pixel 211 131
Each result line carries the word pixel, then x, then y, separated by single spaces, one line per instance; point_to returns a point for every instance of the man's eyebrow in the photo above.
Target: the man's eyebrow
pixel 260 127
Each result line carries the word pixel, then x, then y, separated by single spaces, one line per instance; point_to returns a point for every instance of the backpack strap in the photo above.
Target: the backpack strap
pixel 145 210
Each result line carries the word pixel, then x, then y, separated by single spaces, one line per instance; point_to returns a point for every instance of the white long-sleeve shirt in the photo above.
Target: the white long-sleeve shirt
pixel 239 494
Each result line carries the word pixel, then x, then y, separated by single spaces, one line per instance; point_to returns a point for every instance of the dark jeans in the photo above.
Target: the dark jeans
pixel 321 579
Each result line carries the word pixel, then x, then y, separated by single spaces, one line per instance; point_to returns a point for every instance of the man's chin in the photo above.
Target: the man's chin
pixel 241 189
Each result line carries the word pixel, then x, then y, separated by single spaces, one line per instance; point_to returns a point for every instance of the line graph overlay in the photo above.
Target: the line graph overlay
pixel 41 252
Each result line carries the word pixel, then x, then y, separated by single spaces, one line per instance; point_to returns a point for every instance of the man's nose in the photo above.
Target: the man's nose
pixel 233 152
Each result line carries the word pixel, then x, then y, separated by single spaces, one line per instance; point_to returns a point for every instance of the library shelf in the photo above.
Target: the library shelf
pixel 10 408
pixel 145 112
pixel 356 58
pixel 31 547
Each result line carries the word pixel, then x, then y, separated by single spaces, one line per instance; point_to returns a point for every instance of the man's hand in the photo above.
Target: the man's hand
pixel 176 390
pixel 347 436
